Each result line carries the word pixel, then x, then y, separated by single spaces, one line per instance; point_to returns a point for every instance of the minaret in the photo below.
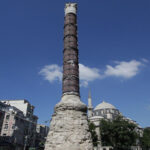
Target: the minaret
pixel 90 107
pixel 69 128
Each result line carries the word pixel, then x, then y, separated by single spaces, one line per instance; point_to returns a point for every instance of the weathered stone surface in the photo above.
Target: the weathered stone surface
pixel 69 127
pixel 70 63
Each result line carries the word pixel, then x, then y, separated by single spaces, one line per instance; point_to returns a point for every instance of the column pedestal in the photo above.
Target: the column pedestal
pixel 69 127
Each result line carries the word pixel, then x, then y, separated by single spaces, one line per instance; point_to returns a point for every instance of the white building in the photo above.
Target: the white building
pixel 105 111
pixel 22 105
pixel 19 122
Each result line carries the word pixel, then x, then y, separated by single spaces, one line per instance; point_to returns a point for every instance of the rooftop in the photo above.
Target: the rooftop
pixel 104 105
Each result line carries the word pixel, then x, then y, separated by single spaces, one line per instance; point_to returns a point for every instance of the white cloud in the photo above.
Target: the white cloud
pixel 84 83
pixel 54 72
pixel 51 72
pixel 123 69
pixel 88 74
pixel 145 60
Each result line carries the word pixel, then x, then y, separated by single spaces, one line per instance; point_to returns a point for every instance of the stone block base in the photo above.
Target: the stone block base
pixel 69 126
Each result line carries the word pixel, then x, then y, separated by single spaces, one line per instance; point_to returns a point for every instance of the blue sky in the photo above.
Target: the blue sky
pixel 114 47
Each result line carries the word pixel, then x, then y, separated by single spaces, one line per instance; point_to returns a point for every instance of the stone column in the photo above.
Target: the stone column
pixel 69 128
pixel 70 66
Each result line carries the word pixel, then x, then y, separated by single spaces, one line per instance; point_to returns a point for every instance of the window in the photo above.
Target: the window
pixel 6 126
pixel 16 118
pixel 112 111
pixel 107 110
pixel 7 117
pixel 97 113
pixel 13 126
pixel 117 112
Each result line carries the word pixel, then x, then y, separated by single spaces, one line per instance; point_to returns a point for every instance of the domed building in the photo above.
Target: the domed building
pixel 103 110
pixel 106 111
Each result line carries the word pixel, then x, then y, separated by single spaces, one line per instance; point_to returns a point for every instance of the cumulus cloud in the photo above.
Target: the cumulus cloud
pixel 124 69
pixel 54 72
pixel 51 72
pixel 88 74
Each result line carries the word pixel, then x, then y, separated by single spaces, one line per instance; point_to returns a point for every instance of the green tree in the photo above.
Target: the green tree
pixel 145 140
pixel 93 133
pixel 119 133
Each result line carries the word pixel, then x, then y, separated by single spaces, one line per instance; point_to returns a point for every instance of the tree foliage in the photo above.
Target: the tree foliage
pixel 118 133
pixel 93 133
pixel 145 141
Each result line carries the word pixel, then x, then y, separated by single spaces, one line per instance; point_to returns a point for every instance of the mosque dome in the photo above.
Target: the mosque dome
pixel 104 105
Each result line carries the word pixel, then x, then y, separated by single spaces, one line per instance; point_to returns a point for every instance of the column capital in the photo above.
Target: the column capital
pixel 71 8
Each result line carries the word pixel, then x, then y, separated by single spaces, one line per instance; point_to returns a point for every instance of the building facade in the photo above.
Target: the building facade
pixel 2 113
pixel 19 123
pixel 22 105
pixel 41 134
